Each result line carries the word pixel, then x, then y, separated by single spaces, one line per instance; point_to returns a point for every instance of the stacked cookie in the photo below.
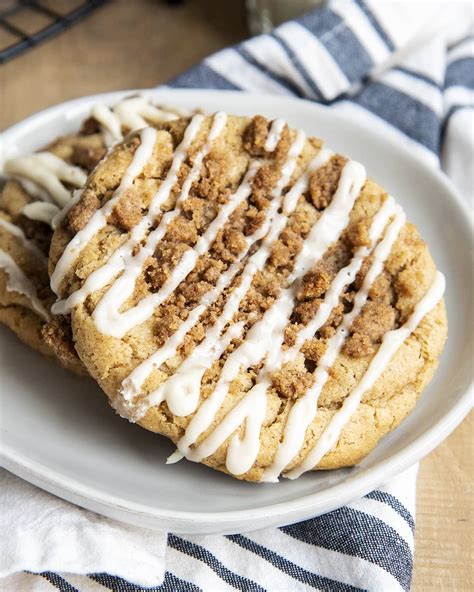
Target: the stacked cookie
pixel 37 188
pixel 243 290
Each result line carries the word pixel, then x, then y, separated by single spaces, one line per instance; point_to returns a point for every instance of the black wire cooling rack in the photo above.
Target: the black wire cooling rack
pixel 26 23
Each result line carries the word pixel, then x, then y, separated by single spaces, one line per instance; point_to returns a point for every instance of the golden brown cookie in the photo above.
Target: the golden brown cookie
pixel 249 294
pixel 25 295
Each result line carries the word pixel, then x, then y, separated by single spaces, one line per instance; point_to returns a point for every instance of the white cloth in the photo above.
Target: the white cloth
pixel 44 533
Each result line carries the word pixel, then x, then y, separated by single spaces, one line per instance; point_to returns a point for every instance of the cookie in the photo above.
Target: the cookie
pixel 250 294
pixel 25 295
pixel 40 185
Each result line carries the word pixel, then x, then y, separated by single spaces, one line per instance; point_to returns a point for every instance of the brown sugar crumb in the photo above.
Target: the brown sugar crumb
pixel 285 249
pixel 335 319
pixel 87 156
pixel 291 383
pixel 381 290
pixel 290 335
pixel 194 291
pixel 80 214
pixel 263 181
pixel 234 240
pixel 195 335
pixel 182 230
pixel 154 276
pixel 324 182
pixel 213 179
pixel 305 311
pixel 358 234
pixel 255 136
pixel 314 285
pixel 212 271
pixel 313 350
pixel 254 218
pixel 127 213
pixel 280 255
pixel 267 285
pixel 157 269
pixel 283 146
pixel 359 346
pixel 369 327
pixel 167 325
pixel 199 211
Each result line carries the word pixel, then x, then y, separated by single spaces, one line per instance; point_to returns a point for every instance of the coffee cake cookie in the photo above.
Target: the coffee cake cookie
pixel 250 294
pixel 38 187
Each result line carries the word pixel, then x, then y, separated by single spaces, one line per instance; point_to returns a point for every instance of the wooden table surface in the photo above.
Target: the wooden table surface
pixel 142 43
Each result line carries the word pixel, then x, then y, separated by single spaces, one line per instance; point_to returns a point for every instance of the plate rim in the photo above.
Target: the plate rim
pixel 320 502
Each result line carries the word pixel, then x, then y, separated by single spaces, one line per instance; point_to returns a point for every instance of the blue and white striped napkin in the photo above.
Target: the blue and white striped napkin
pixel 406 68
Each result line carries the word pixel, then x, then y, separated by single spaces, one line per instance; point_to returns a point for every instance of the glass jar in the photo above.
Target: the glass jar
pixel 264 15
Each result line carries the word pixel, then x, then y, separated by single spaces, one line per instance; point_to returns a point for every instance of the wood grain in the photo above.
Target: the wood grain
pixel 145 42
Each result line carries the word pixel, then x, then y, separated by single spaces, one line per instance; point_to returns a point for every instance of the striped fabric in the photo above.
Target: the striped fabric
pixel 384 64
pixel 367 545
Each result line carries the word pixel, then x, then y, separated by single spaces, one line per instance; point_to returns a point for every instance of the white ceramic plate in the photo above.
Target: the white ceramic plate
pixel 59 433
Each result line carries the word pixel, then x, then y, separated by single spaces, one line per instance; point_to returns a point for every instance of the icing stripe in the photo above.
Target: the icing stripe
pixel 34 190
pixel 107 316
pixel 134 382
pixel 210 349
pixel 247 448
pixel 18 282
pixel 41 211
pixel 100 277
pixel 133 113
pixel 390 344
pixel 274 134
pixel 304 410
pixel 266 335
pixel 47 171
pixel 99 219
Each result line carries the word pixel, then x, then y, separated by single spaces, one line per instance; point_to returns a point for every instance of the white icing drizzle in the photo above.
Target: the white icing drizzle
pixel 132 113
pixel 41 211
pixel 34 190
pixel 391 341
pixel 264 337
pixel 107 316
pixel 188 377
pixel 100 277
pixel 274 134
pixel 41 173
pixel 18 282
pixel 99 219
pixel 174 458
pixel 47 170
pixel 304 410
pixel 29 245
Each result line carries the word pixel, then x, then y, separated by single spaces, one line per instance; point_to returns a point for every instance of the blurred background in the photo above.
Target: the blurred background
pixel 119 44
pixel 101 45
